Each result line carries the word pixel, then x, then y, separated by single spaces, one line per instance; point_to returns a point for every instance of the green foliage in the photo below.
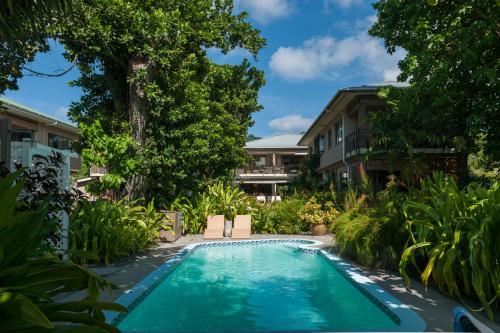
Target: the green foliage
pixel 196 113
pixel 481 166
pixel 452 65
pixel 24 19
pixel 29 284
pixel 280 217
pixel 456 233
pixel 217 199
pixel 104 231
pixel 228 200
pixel 117 153
pixel 316 213
pixel 374 236
pixel 41 185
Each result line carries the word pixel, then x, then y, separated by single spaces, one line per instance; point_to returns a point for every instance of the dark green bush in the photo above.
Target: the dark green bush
pixel 31 282
pixel 279 217
pixel 374 236
pixel 456 238
pixel 103 231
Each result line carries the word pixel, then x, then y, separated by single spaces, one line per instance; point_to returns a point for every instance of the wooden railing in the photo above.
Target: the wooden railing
pixel 289 169
pixel 355 141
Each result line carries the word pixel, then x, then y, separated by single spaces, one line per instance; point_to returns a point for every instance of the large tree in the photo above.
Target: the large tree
pixel 452 63
pixel 145 71
pixel 24 28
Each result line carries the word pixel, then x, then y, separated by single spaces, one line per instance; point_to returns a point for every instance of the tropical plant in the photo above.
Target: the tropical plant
pixel 228 200
pixel 116 153
pixel 217 199
pixel 41 185
pixel 456 233
pixel 104 231
pixel 373 234
pixel 315 213
pixel 195 212
pixel 29 284
pixel 280 217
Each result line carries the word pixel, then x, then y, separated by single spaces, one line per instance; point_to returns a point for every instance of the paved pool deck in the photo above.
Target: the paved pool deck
pixel 435 308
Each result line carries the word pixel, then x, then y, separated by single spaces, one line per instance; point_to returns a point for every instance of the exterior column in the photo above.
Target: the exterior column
pixel 273 189
pixel 274 163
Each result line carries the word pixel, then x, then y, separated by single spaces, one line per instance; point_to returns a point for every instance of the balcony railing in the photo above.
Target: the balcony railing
pixel 294 169
pixel 96 171
pixel 357 140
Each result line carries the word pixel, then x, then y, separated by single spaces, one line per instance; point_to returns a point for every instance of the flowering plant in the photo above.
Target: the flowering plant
pixel 314 213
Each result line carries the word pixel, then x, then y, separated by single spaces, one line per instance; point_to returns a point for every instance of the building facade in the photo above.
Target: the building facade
pixel 341 136
pixel 27 124
pixel 274 161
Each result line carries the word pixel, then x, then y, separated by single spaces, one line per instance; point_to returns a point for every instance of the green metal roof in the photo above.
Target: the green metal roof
pixel 368 87
pixel 6 101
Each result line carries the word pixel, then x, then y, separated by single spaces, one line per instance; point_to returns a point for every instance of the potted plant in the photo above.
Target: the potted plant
pixel 317 216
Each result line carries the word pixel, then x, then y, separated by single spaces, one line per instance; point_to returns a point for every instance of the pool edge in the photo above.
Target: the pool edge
pixel 409 319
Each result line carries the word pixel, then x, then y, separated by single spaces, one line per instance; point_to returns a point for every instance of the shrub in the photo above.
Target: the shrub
pixel 280 217
pixel 374 236
pixel 105 230
pixel 456 233
pixel 41 185
pixel 315 213
pixel 217 199
pixel 370 236
pixel 30 284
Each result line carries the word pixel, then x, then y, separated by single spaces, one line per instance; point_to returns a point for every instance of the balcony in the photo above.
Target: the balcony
pixel 357 142
pixel 291 170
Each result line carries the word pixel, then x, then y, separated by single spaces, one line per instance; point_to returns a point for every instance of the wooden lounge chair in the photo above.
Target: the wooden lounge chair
pixel 215 227
pixel 242 227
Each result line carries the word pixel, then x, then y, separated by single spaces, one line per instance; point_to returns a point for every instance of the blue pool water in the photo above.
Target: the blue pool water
pixel 269 287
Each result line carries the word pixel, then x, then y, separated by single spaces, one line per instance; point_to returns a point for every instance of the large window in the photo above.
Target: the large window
pixel 344 180
pixel 291 163
pixel 339 131
pixel 258 163
pixel 21 135
pixel 321 143
pixel 329 138
pixel 59 142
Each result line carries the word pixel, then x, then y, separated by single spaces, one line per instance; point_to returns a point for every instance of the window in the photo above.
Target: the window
pixel 259 162
pixel 20 135
pixel 339 132
pixel 59 142
pixel 321 144
pixel 290 163
pixel 344 179
pixel 329 138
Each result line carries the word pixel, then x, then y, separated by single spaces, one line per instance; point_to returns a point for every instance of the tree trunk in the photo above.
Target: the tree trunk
pixel 140 75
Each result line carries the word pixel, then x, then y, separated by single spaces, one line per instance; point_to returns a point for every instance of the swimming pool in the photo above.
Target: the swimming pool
pixel 260 286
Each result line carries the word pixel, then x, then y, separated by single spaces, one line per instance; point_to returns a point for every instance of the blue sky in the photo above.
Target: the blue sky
pixel 315 47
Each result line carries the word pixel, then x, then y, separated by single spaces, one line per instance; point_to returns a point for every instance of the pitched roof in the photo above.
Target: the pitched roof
pixel 287 140
pixel 29 113
pixel 372 87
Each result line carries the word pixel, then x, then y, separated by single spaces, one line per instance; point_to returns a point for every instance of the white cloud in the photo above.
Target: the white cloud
pixel 327 57
pixel 265 11
pixel 343 3
pixel 292 122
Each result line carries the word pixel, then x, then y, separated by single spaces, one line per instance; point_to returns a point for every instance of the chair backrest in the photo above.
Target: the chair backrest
pixel 215 222
pixel 242 222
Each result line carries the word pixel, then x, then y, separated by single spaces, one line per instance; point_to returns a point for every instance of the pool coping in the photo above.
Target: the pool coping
pixel 409 320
